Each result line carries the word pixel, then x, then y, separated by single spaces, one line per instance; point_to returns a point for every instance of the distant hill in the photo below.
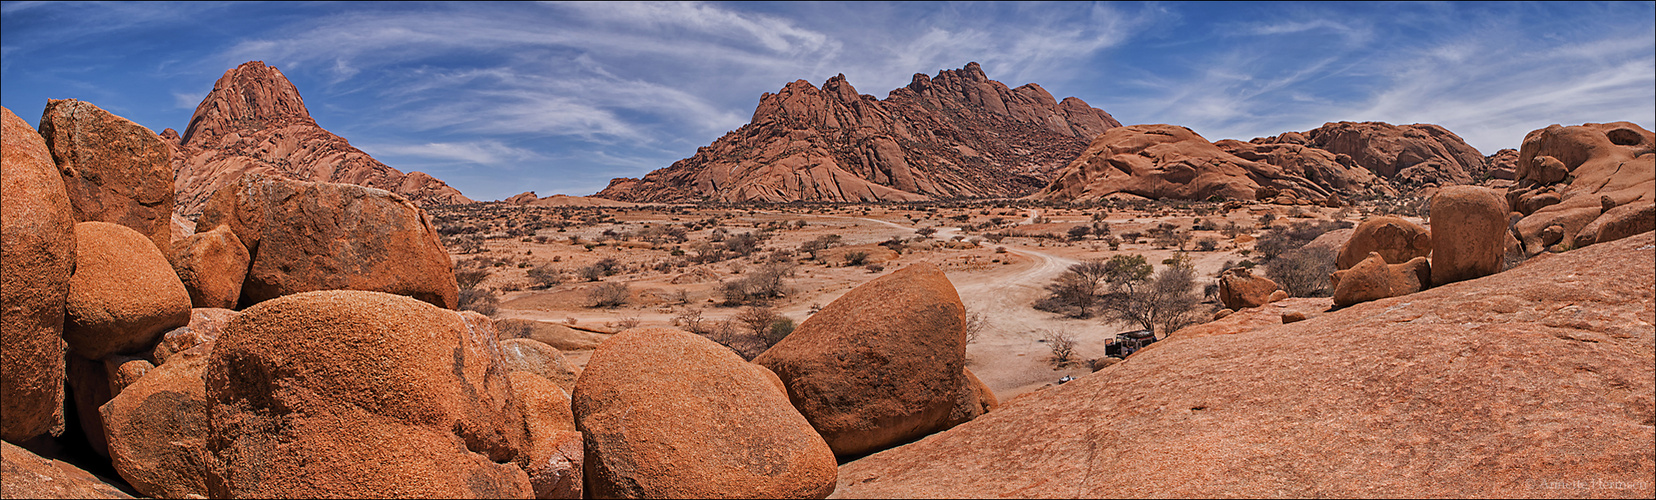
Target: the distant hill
pixel 955 135
pixel 255 121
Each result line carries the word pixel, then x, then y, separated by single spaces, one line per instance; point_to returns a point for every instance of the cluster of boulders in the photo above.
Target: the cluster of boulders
pixel 1583 184
pixel 305 344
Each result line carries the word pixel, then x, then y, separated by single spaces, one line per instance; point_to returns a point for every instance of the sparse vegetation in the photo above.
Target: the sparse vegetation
pixel 1062 345
pixel 609 295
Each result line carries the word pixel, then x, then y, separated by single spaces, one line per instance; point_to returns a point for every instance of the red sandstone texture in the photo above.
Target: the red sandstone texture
pixel 36 258
pixel 255 121
pixel 958 134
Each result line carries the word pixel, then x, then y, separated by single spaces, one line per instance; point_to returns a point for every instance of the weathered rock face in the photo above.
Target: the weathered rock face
pixel 123 294
pixel 1503 165
pixel 1169 161
pixel 306 236
pixel 521 198
pixel 36 258
pixel 1240 289
pixel 553 458
pixel 212 266
pixel 157 428
pixel 1374 279
pixel 113 169
pixel 1542 371
pixel 27 475
pixel 1396 240
pixel 558 336
pixel 255 121
pixel 958 134
pixel 1473 221
pixel 670 414
pixel 881 365
pixel 1603 165
pixel 1334 173
pixel 1410 156
pixel 205 325
pixel 973 400
pixel 1618 223
pixel 358 394
pixel 527 355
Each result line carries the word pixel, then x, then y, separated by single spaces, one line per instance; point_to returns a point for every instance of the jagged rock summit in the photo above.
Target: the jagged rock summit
pixel 955 135
pixel 255 121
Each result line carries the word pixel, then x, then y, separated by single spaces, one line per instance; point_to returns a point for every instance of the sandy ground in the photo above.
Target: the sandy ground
pixel 1010 355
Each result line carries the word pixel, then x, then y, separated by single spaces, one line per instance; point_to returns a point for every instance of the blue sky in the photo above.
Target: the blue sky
pixel 501 98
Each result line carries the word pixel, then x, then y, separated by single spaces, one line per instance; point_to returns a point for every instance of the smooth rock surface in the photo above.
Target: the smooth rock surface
pixel 670 414
pixel 37 255
pixel 1535 382
pixel 880 366
pixel 123 294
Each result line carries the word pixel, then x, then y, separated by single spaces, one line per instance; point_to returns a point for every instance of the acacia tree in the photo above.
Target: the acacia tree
pixel 1164 302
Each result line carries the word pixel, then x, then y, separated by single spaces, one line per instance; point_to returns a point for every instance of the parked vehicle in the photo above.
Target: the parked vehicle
pixel 1126 343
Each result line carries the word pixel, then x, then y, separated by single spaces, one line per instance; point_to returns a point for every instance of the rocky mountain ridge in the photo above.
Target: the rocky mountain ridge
pixel 955 135
pixel 255 121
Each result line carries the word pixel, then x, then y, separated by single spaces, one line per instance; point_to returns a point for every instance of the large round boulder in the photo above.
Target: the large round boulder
pixel 114 170
pixel 1374 279
pixel 307 236
pixel 1617 223
pixel 123 294
pixel 1396 240
pixel 359 394
pixel 212 265
pixel 1240 289
pixel 670 414
pixel 37 255
pixel 1473 221
pixel 157 428
pixel 880 366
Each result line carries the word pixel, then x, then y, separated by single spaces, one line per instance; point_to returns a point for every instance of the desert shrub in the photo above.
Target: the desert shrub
pixel 546 276
pixel 1281 240
pixel 875 267
pixel 625 323
pixel 480 300
pixel 1077 233
pixel 691 321
pixel 590 273
pixel 1207 244
pixel 1062 345
pixel 855 258
pixel 469 278
pixel 975 323
pixel 1303 272
pixel 609 295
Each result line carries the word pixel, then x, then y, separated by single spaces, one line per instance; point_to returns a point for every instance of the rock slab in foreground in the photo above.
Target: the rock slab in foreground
pixel 1535 382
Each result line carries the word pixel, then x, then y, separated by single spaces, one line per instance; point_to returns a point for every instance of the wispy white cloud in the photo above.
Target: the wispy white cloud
pixel 485 152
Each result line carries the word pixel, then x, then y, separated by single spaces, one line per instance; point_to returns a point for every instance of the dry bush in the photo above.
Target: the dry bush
pixel 546 276
pixel 1062 345
pixel 469 278
pixel 1303 272
pixel 609 295
pixel 975 323
pixel 625 323
pixel 479 300
pixel 691 321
